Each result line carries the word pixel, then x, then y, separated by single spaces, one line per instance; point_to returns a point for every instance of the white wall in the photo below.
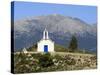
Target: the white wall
pixel 45 42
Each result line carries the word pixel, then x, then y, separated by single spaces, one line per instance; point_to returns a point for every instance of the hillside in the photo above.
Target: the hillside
pixel 59 48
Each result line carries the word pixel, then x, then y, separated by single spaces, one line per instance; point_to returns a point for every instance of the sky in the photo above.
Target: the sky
pixel 28 9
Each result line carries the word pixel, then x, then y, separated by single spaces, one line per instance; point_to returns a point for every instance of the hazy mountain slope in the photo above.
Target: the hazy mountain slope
pixel 28 31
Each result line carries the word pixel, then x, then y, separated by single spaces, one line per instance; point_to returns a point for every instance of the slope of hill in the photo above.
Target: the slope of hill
pixel 58 48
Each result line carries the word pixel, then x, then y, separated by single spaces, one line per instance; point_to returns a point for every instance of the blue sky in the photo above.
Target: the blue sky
pixel 85 13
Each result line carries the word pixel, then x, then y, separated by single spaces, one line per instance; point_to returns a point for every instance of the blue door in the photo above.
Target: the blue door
pixel 45 48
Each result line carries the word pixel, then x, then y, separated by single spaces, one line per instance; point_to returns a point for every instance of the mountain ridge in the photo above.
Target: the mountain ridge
pixel 60 29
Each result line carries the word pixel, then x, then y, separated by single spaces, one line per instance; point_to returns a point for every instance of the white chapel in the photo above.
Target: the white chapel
pixel 45 44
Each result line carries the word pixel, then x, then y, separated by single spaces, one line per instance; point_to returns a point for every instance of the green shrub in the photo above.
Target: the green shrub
pixel 45 60
pixel 37 55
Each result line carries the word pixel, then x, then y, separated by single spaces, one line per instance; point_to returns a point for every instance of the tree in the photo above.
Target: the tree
pixel 73 43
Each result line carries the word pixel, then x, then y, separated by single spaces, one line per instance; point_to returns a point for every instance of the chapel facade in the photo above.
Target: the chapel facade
pixel 45 44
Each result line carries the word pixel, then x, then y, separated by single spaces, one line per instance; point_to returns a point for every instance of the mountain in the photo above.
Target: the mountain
pixel 28 31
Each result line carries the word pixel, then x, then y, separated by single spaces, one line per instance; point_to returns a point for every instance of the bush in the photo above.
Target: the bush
pixel 70 61
pixel 45 60
pixel 37 55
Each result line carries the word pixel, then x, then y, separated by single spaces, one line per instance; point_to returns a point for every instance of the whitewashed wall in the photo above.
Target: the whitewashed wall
pixel 45 42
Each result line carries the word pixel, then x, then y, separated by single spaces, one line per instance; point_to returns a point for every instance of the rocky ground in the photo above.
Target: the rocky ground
pixel 58 61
